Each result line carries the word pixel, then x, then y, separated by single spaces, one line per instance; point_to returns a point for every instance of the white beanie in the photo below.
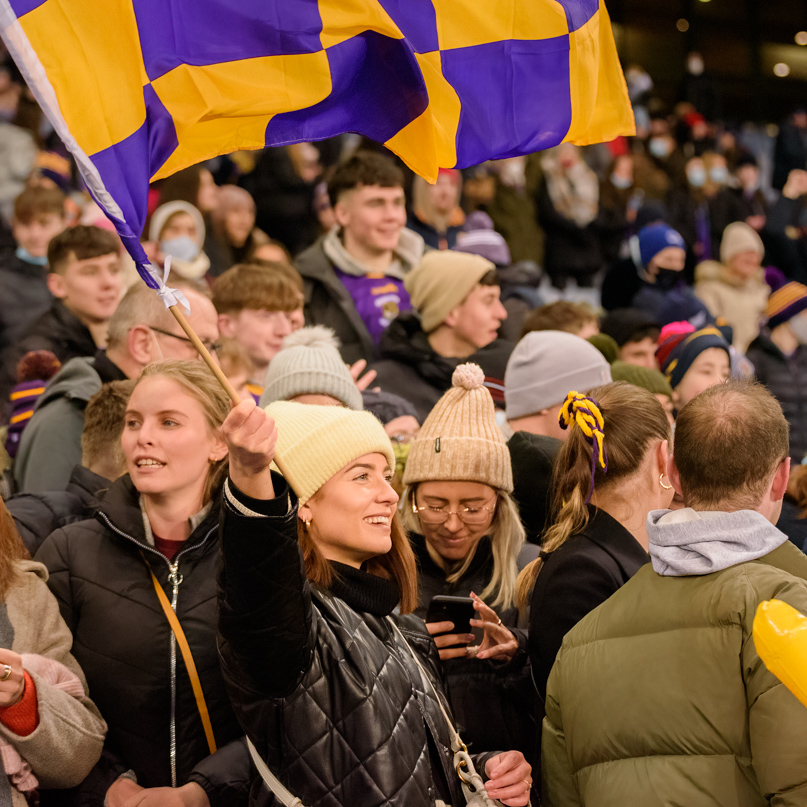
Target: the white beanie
pixel 739 237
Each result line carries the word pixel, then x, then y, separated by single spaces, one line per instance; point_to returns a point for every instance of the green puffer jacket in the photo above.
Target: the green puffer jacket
pixel 658 697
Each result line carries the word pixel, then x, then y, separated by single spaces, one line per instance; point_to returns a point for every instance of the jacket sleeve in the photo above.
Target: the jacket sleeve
pixel 777 722
pixel 557 782
pixel 265 612
pixel 226 776
pixel 574 584
pixel 68 741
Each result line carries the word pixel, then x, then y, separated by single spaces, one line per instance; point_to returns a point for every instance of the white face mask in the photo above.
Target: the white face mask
pixel 798 325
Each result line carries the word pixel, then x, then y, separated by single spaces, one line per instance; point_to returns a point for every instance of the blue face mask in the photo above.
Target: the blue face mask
pixel 696 177
pixel 23 254
pixel 183 248
pixel 659 147
pixel 719 175
pixel 623 183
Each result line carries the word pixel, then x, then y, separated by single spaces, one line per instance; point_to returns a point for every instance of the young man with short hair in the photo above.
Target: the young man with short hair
pixel 636 334
pixel 456 296
pixel 354 274
pixel 577 318
pixel 39 215
pixel 256 306
pixel 662 684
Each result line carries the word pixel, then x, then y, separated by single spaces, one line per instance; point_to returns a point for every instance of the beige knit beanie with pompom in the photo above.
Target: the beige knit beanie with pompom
pixel 460 440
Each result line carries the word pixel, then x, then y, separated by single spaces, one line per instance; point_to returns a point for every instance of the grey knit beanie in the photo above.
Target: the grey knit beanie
pixel 545 366
pixel 310 364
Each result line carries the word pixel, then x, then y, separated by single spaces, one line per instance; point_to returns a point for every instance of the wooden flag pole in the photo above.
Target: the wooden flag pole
pixel 179 316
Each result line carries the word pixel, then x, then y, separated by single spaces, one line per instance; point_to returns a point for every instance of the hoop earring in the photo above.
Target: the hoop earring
pixel 661 482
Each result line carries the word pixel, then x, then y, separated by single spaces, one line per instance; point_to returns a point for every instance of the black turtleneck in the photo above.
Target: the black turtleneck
pixel 363 591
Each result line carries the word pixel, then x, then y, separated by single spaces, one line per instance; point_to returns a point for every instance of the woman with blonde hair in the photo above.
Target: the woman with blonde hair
pixel 337 687
pixel 609 474
pixel 150 556
pixel 51 733
pixel 469 541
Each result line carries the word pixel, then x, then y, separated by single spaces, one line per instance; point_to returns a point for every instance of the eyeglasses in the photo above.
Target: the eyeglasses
pixel 211 347
pixel 467 515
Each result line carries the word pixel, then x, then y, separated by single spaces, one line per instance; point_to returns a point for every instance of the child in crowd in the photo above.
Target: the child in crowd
pixel 86 282
pixel 39 215
pixel 692 360
pixel 256 304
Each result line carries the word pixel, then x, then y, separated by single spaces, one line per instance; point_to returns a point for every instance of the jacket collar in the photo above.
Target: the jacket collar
pixel 120 508
pixel 605 531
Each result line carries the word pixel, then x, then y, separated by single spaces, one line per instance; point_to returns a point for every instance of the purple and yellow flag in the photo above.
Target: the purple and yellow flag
pixel 139 89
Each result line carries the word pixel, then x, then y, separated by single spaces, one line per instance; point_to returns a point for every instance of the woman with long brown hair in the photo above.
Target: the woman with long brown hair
pixel 609 474
pixel 339 692
pixel 53 732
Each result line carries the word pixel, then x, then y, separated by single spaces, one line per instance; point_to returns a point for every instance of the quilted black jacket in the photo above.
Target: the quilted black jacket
pixel 329 695
pixel 122 640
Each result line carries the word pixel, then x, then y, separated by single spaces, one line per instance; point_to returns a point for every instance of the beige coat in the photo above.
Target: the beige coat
pixel 67 743
pixel 741 305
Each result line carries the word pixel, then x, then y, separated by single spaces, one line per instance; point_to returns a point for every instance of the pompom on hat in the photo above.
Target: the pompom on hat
pixel 460 440
pixel 315 442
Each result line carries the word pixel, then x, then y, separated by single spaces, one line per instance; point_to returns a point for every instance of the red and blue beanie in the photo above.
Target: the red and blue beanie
pixel 785 303
pixel 654 238
pixel 680 346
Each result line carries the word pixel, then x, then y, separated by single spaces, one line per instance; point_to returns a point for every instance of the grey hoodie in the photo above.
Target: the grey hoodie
pixel 689 542
pixel 407 255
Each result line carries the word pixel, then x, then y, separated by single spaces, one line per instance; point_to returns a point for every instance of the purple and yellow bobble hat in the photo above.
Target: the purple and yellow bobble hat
pixel 785 303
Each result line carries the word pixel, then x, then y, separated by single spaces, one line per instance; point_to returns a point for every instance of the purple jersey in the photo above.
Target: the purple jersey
pixel 378 299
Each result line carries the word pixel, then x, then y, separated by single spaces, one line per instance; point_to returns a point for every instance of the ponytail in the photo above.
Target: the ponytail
pixel 634 418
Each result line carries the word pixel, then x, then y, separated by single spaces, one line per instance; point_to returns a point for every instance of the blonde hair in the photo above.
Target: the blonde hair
pixel 197 380
pixel 632 419
pixel 506 534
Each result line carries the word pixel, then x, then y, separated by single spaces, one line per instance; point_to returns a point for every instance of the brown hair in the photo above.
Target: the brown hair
pixel 559 316
pixel 729 441
pixel 797 489
pixel 12 549
pixel 362 169
pixel 265 286
pixel 633 419
pixel 103 423
pixel 397 565
pixel 78 244
pixel 197 380
pixel 33 202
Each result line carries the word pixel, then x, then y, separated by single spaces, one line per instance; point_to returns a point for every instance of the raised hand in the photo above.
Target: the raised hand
pixel 251 436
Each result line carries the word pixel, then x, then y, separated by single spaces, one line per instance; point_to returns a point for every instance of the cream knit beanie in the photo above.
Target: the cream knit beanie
pixel 460 441
pixel 315 442
pixel 441 281
pixel 739 237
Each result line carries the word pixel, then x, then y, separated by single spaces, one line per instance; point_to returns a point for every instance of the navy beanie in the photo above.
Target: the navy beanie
pixel 654 238
pixel 676 353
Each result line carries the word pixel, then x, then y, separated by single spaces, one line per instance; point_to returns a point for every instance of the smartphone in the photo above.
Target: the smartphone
pixel 459 610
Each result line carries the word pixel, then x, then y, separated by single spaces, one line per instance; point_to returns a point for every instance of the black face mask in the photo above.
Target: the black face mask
pixel 667 279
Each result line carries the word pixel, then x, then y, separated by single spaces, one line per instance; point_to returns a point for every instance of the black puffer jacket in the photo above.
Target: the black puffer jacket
pixel 505 688
pixel 325 688
pixel 409 366
pixel 37 515
pixel 786 379
pixel 123 642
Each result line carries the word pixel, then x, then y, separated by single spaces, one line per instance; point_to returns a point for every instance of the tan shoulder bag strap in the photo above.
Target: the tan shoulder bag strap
pixel 187 657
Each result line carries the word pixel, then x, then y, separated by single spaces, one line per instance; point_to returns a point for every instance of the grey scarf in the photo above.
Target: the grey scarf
pixel 689 542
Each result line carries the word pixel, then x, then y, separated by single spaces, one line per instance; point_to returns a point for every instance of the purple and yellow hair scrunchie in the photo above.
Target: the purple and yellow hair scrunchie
pixel 585 413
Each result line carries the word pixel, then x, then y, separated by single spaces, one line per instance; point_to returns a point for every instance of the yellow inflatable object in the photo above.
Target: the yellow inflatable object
pixel 780 636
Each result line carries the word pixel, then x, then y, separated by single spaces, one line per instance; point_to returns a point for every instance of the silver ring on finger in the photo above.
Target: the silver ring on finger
pixel 6 673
